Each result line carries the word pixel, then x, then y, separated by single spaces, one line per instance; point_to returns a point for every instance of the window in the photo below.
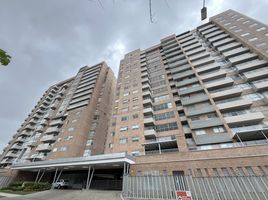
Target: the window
pixel 68 137
pixel 89 142
pixel 135 99
pixel 123 141
pixel 166 115
pixel 261 29
pixel 135 139
pixel 124 110
pixel 200 132
pixel 135 116
pixel 126 94
pixel 110 145
pixel 252 25
pixel 135 153
pixel 261 44
pixel 71 129
pixel 135 91
pixel 218 129
pixel 114 124
pixel 112 133
pixel 87 153
pixel 159 90
pixel 252 39
pixel 245 34
pixel 63 148
pixel 166 127
pixel 124 128
pixel 161 98
pixel 55 149
pixel 162 106
pixel 124 119
pixel 125 101
pixel 135 107
pixel 135 126
pixel 253 96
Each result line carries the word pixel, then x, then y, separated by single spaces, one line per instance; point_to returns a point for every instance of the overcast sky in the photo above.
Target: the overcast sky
pixel 50 40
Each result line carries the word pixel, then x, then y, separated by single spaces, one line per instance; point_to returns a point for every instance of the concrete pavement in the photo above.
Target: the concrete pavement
pixel 69 195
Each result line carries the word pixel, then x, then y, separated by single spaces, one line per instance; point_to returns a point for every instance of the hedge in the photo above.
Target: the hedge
pixel 28 186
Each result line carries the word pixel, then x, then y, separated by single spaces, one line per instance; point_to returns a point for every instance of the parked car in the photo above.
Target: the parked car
pixel 62 183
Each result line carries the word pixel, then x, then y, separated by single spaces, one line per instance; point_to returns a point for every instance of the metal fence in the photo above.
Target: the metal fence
pixel 201 188
pixel 5 181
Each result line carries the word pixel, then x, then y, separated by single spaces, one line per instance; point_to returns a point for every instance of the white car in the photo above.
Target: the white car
pixel 62 183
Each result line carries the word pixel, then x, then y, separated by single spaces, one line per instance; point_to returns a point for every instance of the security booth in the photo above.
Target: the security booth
pixel 93 172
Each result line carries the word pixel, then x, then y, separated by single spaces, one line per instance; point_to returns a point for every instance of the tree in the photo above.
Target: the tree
pixel 4 58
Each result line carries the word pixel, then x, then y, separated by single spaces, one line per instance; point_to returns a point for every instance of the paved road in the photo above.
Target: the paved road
pixel 69 195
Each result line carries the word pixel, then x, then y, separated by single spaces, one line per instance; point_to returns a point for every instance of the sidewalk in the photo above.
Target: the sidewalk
pixel 3 194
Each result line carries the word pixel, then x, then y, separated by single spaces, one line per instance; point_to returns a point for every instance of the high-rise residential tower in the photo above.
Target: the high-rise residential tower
pixel 197 102
pixel 70 120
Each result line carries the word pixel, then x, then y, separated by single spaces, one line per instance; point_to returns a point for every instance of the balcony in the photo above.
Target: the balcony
pixel 206 27
pixel 56 122
pixel 25 133
pixel 186 82
pixel 212 138
pixel 213 33
pixel 183 74
pixel 31 143
pixel 10 154
pixel 198 111
pixel 176 58
pixel 229 47
pixel 194 47
pixel 219 37
pixel 172 54
pixel 39 128
pixel 20 139
pixel 195 51
pixel 194 99
pixel 146 86
pixel 190 90
pixel 223 42
pixel 146 93
pixel 199 56
pixel 214 75
pixel 235 52
pixel 180 69
pixel 254 132
pixel 147 101
pixel 149 121
pixel 245 119
pixel 33 121
pixel 234 92
pixel 44 147
pixel 251 65
pixel 243 58
pixel 150 133
pixel 255 75
pixel 48 138
pixel 261 86
pixel 220 83
pixel 233 105
pixel 51 130
pixel 178 63
pixel 161 144
pixel 198 124
pixel 208 68
pixel 29 127
pixel 148 110
pixel 202 62
pixel 16 146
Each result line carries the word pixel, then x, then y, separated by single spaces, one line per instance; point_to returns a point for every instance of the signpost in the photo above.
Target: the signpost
pixel 184 195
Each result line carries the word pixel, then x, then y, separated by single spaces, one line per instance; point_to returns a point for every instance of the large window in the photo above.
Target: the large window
pixel 166 127
pixel 165 115
pixel 123 141
pixel 162 106
pixel 161 98
pixel 124 128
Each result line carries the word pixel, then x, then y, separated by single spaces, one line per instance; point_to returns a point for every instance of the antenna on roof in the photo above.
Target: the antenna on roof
pixel 204 11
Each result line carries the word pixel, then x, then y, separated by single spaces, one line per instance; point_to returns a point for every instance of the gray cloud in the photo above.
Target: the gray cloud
pixel 50 40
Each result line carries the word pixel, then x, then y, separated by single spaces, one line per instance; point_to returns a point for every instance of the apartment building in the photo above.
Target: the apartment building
pixel 196 103
pixel 70 120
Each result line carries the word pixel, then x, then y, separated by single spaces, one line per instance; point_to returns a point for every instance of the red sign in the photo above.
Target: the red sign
pixel 184 195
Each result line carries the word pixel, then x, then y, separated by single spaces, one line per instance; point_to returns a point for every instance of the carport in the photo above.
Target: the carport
pixel 98 172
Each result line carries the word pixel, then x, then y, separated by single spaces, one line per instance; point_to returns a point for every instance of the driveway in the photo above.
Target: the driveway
pixel 69 195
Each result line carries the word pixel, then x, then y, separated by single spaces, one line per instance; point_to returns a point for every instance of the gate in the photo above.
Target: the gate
pixel 5 181
pixel 201 188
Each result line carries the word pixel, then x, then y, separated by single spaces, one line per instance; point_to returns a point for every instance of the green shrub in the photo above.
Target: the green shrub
pixel 16 184
pixel 17 188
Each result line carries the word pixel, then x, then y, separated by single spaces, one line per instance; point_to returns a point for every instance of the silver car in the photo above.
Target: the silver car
pixel 62 183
